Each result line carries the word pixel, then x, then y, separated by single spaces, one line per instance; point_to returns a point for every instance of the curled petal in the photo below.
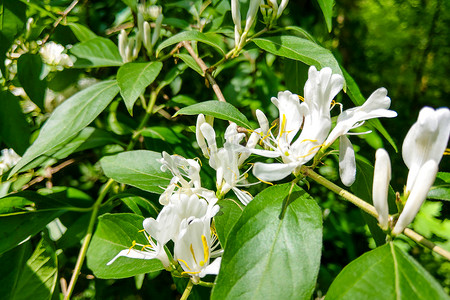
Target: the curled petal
pixel 424 181
pixel 212 269
pixel 381 178
pixel 273 172
pixel 244 197
pixel 347 163
pixel 131 253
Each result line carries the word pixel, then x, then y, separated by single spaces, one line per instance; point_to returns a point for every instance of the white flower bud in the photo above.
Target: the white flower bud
pixel 381 179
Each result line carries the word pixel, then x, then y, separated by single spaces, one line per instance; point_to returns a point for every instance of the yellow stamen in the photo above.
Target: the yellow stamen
pixel 266 182
pixel 301 98
pixel 132 246
pixel 199 161
pixel 308 140
pixel 205 251
pixel 193 254
pixel 184 262
pixel 190 273
pixel 142 230
pixel 447 151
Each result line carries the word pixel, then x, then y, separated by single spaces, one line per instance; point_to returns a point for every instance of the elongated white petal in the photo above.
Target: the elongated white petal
pixel 282 6
pixel 199 135
pixel 263 122
pixel 376 106
pixel 424 181
pixel 131 253
pixel 236 14
pixel 265 153
pixel 273 172
pixel 211 269
pixel 381 179
pixel 426 140
pixel 251 14
pixel 290 115
pixel 244 197
pixel 347 163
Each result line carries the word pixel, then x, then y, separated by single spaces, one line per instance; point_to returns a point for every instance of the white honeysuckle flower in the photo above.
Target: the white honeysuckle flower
pixel 380 188
pixel 426 140
pixel 153 250
pixel 424 181
pixel 157 30
pixel 195 246
pixel 186 176
pixel 8 159
pixel 347 162
pixel 52 54
pixel 376 106
pixel 313 114
pixel 227 160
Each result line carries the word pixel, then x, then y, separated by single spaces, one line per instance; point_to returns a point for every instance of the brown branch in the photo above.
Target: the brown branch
pixel 49 173
pixel 205 70
pixel 63 16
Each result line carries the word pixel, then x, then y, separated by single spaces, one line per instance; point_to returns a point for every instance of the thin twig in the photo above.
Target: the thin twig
pixel 87 239
pixel 205 70
pixel 64 15
pixel 50 172
pixel 371 210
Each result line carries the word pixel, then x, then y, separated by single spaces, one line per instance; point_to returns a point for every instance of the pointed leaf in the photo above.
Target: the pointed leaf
pixel 211 39
pixel 274 249
pixel 385 273
pixel 96 52
pixel 29 68
pixel 133 78
pixel 300 49
pixel 217 109
pixel 229 214
pixel 138 168
pixel 82 33
pixel 14 129
pixel 114 233
pixel 70 118
pixel 327 9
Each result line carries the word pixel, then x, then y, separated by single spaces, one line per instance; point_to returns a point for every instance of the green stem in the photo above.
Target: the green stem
pixel 340 191
pixel 187 291
pixel 206 284
pixel 306 171
pixel 87 239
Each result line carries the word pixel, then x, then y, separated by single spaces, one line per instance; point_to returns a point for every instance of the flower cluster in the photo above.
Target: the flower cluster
pixel 422 150
pixel 312 116
pixel 52 54
pixel 186 220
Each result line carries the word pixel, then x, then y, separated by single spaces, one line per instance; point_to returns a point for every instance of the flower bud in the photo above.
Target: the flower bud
pixel 381 179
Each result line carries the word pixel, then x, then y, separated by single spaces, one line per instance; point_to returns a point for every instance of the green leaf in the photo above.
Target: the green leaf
pixel 358 99
pixel 211 39
pixel 300 49
pixel 385 273
pixel 441 187
pixel 190 61
pixel 16 227
pixel 217 109
pixel 70 118
pixel 12 21
pixel 274 249
pixel 116 232
pixel 14 129
pixel 133 78
pixel 29 68
pixel 327 9
pixel 140 206
pixel 229 214
pixel 97 52
pixel 81 32
pixel 29 278
pixel 139 168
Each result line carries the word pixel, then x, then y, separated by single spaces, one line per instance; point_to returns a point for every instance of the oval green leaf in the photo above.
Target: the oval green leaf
pixel 29 68
pixel 70 118
pixel 211 39
pixel 217 109
pixel 300 49
pixel 96 52
pixel 114 233
pixel 327 9
pixel 385 273
pixel 138 168
pixel 274 249
pixel 133 78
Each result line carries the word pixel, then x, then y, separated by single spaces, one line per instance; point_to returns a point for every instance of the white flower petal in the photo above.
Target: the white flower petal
pixel 426 140
pixel 381 178
pixel 244 197
pixel 131 253
pixel 212 269
pixel 347 163
pixel 273 172
pixel 424 181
